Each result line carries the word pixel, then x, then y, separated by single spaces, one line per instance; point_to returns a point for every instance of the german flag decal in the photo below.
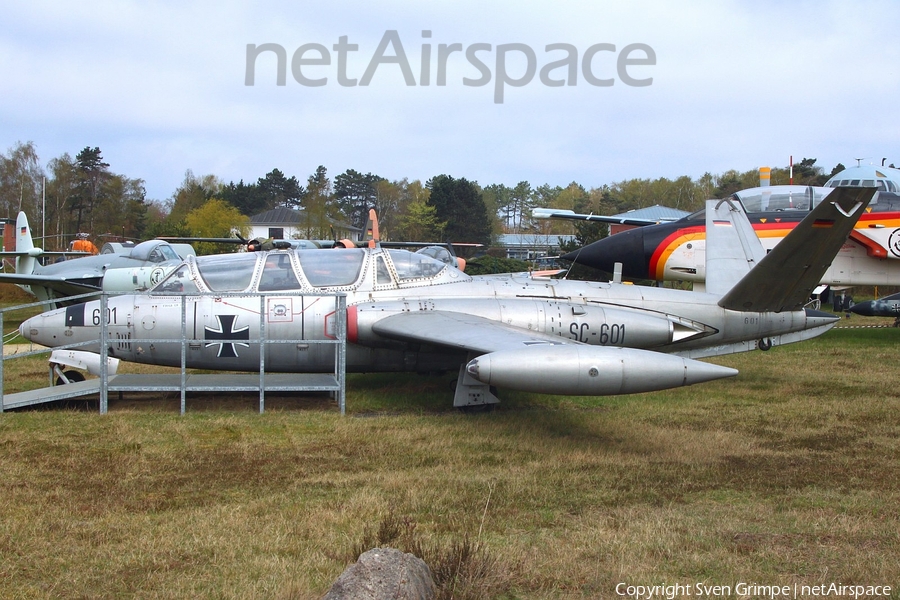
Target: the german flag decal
pixel 823 223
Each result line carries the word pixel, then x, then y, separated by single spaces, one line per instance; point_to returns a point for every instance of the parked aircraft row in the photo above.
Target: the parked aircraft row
pixel 410 312
pixel 118 267
pixel 676 251
pixel 138 267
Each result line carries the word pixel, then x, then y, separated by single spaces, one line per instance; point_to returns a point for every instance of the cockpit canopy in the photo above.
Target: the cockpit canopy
pixel 304 271
pixel 776 198
pixel 154 251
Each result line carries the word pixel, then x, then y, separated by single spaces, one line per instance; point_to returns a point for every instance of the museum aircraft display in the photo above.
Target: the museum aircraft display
pixel 409 312
pixel 120 267
pixel 889 306
pixel 676 250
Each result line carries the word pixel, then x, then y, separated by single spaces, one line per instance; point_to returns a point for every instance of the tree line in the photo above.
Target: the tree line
pixel 83 194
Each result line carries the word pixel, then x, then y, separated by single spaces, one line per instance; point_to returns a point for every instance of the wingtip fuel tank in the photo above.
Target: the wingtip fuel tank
pixel 576 370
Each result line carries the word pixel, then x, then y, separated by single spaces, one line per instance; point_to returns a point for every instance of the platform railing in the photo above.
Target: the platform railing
pixel 338 341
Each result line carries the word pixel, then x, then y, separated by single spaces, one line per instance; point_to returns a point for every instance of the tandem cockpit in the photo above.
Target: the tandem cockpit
pixel 780 198
pixel 307 271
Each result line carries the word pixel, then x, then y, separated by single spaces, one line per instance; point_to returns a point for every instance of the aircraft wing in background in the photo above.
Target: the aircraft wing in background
pixel 61 286
pixel 552 213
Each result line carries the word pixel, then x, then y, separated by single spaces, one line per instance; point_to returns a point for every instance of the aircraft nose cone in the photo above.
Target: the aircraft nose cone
pixel 626 247
pixel 46 329
pixel 866 309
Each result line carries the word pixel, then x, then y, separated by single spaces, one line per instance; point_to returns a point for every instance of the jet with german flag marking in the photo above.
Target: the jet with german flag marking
pixel 676 251
pixel 408 311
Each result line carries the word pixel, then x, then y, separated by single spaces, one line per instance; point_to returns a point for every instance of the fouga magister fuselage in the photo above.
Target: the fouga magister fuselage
pixel 409 312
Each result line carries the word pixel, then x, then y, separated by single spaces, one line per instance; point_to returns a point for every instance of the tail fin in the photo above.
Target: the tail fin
pixel 732 247
pixel 25 249
pixel 786 276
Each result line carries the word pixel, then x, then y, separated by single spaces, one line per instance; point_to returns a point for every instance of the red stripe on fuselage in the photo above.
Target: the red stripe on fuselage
pixel 352 325
pixel 667 246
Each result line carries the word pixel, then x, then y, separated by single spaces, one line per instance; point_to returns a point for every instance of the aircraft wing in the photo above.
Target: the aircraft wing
pixel 60 285
pixel 552 213
pixel 39 252
pixel 461 331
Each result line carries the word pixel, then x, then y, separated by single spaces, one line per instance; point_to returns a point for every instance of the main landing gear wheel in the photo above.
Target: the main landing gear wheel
pixel 72 376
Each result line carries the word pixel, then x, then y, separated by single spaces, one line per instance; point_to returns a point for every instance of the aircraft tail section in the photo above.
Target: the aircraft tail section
pixel 732 247
pixel 786 276
pixel 25 250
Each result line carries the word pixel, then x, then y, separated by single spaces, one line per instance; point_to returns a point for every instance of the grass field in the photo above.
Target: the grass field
pixel 788 474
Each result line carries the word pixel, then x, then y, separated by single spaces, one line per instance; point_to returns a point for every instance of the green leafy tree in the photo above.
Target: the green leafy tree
pixel 318 205
pixel 92 174
pixel 193 193
pixel 355 194
pixel 520 204
pixel 62 185
pixel 496 197
pixel 419 222
pixel 21 180
pixel 729 183
pixel 459 204
pixel 389 198
pixel 488 265
pixel 280 190
pixel 216 218
pixel 120 208
pixel 807 173
pixel 408 221
pixel 249 199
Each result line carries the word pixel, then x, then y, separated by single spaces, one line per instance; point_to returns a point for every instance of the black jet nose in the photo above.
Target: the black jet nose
pixel 889 306
pixel 865 309
pixel 626 247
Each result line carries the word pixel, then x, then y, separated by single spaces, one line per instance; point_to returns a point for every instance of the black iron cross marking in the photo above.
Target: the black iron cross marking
pixel 225 332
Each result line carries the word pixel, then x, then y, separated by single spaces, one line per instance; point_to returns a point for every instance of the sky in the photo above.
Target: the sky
pixel 161 87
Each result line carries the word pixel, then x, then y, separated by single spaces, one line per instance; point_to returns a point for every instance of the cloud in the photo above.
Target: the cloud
pixel 159 87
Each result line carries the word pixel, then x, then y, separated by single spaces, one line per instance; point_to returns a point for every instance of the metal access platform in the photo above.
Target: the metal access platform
pixel 231 382
pixel 184 382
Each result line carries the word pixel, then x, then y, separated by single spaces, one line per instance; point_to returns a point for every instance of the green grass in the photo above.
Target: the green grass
pixel 789 473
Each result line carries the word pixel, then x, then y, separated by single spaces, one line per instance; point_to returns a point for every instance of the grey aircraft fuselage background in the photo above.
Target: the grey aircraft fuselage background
pixel 118 267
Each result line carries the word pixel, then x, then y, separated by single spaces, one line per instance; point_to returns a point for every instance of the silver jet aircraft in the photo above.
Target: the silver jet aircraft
pixel 409 312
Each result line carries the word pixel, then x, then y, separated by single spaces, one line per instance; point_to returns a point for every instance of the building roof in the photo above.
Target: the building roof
pixel 288 217
pixel 655 213
pixel 278 216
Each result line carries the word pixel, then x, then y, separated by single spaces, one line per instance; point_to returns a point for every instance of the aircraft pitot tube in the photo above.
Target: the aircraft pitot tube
pixel 590 371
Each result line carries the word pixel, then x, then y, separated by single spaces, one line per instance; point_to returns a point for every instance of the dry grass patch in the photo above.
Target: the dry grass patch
pixel 787 473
